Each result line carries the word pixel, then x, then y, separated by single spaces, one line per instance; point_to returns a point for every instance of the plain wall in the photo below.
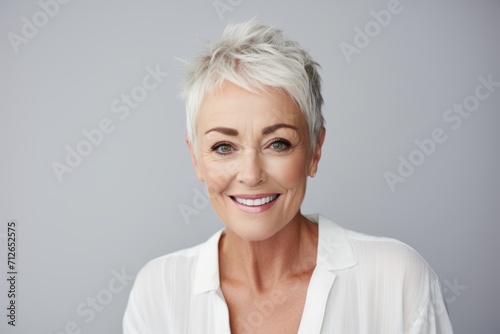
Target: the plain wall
pixel 121 205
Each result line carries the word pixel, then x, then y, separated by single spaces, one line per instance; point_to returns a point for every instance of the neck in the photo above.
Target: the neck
pixel 262 265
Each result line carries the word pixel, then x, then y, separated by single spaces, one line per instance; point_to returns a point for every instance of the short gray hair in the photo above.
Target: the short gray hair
pixel 255 57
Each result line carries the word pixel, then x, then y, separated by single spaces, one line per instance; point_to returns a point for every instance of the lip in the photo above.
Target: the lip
pixel 254 196
pixel 254 209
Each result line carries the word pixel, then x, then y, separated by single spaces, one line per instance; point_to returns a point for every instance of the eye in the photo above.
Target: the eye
pixel 222 148
pixel 280 145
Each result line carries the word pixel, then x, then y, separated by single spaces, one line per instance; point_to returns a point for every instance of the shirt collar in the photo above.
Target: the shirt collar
pixel 334 248
pixel 334 253
pixel 207 269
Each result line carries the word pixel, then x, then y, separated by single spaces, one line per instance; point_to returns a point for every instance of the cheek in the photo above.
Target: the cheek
pixel 290 173
pixel 218 176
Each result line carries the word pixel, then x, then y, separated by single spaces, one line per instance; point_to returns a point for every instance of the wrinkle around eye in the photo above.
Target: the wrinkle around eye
pixel 223 148
pixel 285 143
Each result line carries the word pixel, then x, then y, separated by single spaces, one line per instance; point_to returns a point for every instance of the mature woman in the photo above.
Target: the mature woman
pixel 255 132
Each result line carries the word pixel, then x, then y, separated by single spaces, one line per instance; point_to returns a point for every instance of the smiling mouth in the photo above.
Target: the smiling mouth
pixel 256 201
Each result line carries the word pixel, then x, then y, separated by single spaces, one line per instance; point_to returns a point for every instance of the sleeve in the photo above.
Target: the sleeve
pixel 433 316
pixel 425 308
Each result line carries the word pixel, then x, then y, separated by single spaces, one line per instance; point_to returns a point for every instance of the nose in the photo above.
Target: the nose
pixel 250 169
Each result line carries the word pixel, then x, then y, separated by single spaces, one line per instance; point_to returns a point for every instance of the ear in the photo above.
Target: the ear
pixel 313 164
pixel 194 159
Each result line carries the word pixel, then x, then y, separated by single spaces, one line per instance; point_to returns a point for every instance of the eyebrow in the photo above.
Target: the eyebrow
pixel 272 128
pixel 265 131
pixel 226 131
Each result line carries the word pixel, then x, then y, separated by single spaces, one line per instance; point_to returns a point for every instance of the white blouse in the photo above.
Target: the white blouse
pixel 361 284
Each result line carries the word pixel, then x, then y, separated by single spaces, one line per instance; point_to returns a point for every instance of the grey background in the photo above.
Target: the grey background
pixel 121 206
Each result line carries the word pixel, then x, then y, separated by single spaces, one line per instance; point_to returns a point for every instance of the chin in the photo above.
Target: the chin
pixel 253 228
pixel 253 234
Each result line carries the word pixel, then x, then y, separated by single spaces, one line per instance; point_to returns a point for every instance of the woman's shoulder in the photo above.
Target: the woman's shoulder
pixel 180 264
pixel 380 244
pixel 384 251
pixel 183 257
pixel 391 274
pixel 378 252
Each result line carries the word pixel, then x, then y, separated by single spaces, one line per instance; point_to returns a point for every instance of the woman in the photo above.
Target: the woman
pixel 255 132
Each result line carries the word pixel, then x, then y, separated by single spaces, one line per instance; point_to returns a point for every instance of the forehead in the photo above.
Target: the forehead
pixel 232 105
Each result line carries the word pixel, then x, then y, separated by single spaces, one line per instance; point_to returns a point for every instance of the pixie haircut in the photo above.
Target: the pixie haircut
pixel 255 57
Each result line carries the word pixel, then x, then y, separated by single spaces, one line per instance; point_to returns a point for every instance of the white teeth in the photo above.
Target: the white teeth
pixel 256 202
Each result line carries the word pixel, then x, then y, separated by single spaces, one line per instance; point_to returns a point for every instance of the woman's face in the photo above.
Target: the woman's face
pixel 254 155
